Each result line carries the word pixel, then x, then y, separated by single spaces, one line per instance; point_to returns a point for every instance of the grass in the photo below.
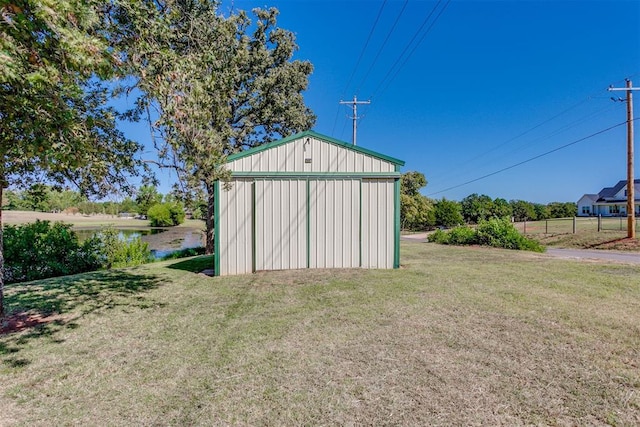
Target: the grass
pixel 457 336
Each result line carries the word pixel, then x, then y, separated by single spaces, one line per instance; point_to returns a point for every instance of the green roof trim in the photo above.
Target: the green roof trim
pixel 312 134
pixel 318 175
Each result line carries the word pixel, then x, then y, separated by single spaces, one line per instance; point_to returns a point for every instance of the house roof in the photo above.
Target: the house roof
pixel 310 133
pixel 609 193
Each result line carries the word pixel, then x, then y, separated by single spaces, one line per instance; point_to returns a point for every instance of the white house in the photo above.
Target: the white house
pixel 307 201
pixel 610 201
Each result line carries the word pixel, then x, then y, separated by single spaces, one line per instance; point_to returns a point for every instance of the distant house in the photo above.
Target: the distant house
pixel 610 201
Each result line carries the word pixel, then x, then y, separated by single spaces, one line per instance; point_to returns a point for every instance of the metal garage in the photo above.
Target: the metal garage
pixel 308 201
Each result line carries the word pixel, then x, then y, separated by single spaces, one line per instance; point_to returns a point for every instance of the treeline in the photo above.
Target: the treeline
pixel 162 210
pixel 418 212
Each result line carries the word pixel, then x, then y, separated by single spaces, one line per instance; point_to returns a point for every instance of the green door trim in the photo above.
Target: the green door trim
pixel 216 228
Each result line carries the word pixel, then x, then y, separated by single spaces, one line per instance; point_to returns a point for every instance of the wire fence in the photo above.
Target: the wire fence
pixel 574 225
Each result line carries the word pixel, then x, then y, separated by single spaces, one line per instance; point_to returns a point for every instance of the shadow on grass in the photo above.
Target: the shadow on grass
pixel 608 242
pixel 41 309
pixel 195 264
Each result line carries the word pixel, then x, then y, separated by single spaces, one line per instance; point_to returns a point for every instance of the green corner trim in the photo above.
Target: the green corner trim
pixel 308 224
pixel 360 229
pixel 254 224
pixel 216 228
pixel 396 224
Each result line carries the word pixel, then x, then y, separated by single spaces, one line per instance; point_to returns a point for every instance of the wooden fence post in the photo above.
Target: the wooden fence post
pixel 599 223
pixel 575 224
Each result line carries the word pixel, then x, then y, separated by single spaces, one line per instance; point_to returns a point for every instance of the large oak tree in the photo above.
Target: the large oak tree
pixel 54 122
pixel 212 85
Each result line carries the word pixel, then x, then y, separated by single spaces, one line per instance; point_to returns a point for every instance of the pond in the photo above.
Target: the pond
pixel 161 241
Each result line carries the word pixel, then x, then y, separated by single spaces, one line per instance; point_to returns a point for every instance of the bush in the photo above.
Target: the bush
pixel 439 236
pixel 498 233
pixel 462 235
pixel 166 214
pixel 184 253
pixel 113 252
pixel 40 250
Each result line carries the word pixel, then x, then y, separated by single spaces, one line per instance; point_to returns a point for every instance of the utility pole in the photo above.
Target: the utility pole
pixel 631 209
pixel 354 107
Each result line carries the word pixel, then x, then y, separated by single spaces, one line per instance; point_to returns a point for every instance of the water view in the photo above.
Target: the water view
pixel 161 241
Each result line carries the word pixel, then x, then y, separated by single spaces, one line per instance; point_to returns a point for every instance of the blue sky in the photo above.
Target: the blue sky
pixel 492 84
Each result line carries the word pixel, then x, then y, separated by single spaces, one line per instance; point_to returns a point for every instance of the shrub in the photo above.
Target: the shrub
pixel 184 253
pixel 462 235
pixel 39 250
pixel 498 233
pixel 439 236
pixel 114 252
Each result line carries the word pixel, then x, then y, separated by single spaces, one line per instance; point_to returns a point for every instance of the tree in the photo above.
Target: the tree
pixel 416 210
pixel 54 122
pixel 411 183
pixel 562 210
pixel 448 213
pixel 146 197
pixel 212 85
pixel 522 211
pixel 501 209
pixel 476 208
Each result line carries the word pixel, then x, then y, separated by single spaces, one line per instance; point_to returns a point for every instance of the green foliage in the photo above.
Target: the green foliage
pixel 146 197
pixel 448 213
pixel 562 210
pixel 166 214
pixel 113 251
pixel 496 232
pixel 40 250
pixel 184 253
pixel 55 124
pixel 416 210
pixel 221 83
pixel 411 183
pixel 462 235
pixel 476 208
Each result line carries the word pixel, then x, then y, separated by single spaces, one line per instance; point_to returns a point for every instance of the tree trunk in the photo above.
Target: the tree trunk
pixel 209 220
pixel 1 257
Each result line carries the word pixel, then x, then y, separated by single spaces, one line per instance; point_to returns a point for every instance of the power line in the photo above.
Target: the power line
pixel 532 158
pixel 353 72
pixel 404 51
pixel 526 132
pixel 375 60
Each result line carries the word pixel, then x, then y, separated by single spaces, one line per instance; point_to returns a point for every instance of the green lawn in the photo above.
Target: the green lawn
pixel 457 336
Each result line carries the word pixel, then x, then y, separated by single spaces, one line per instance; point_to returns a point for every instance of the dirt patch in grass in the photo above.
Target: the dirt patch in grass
pixel 21 321
pixel 605 240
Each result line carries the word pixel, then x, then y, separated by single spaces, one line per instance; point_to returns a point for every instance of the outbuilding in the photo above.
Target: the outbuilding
pixel 307 201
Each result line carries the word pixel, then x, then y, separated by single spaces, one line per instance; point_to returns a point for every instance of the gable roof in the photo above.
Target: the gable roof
pixel 325 138
pixel 610 192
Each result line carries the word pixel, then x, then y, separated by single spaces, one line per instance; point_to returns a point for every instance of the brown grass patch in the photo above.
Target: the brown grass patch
pixel 21 321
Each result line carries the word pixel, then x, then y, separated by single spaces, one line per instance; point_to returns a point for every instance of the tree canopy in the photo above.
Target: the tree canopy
pixel 55 125
pixel 212 85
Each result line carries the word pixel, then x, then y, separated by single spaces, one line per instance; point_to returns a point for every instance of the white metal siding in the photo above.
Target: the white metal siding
pixel 377 223
pixel 281 221
pixel 334 230
pixel 235 228
pixel 325 157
